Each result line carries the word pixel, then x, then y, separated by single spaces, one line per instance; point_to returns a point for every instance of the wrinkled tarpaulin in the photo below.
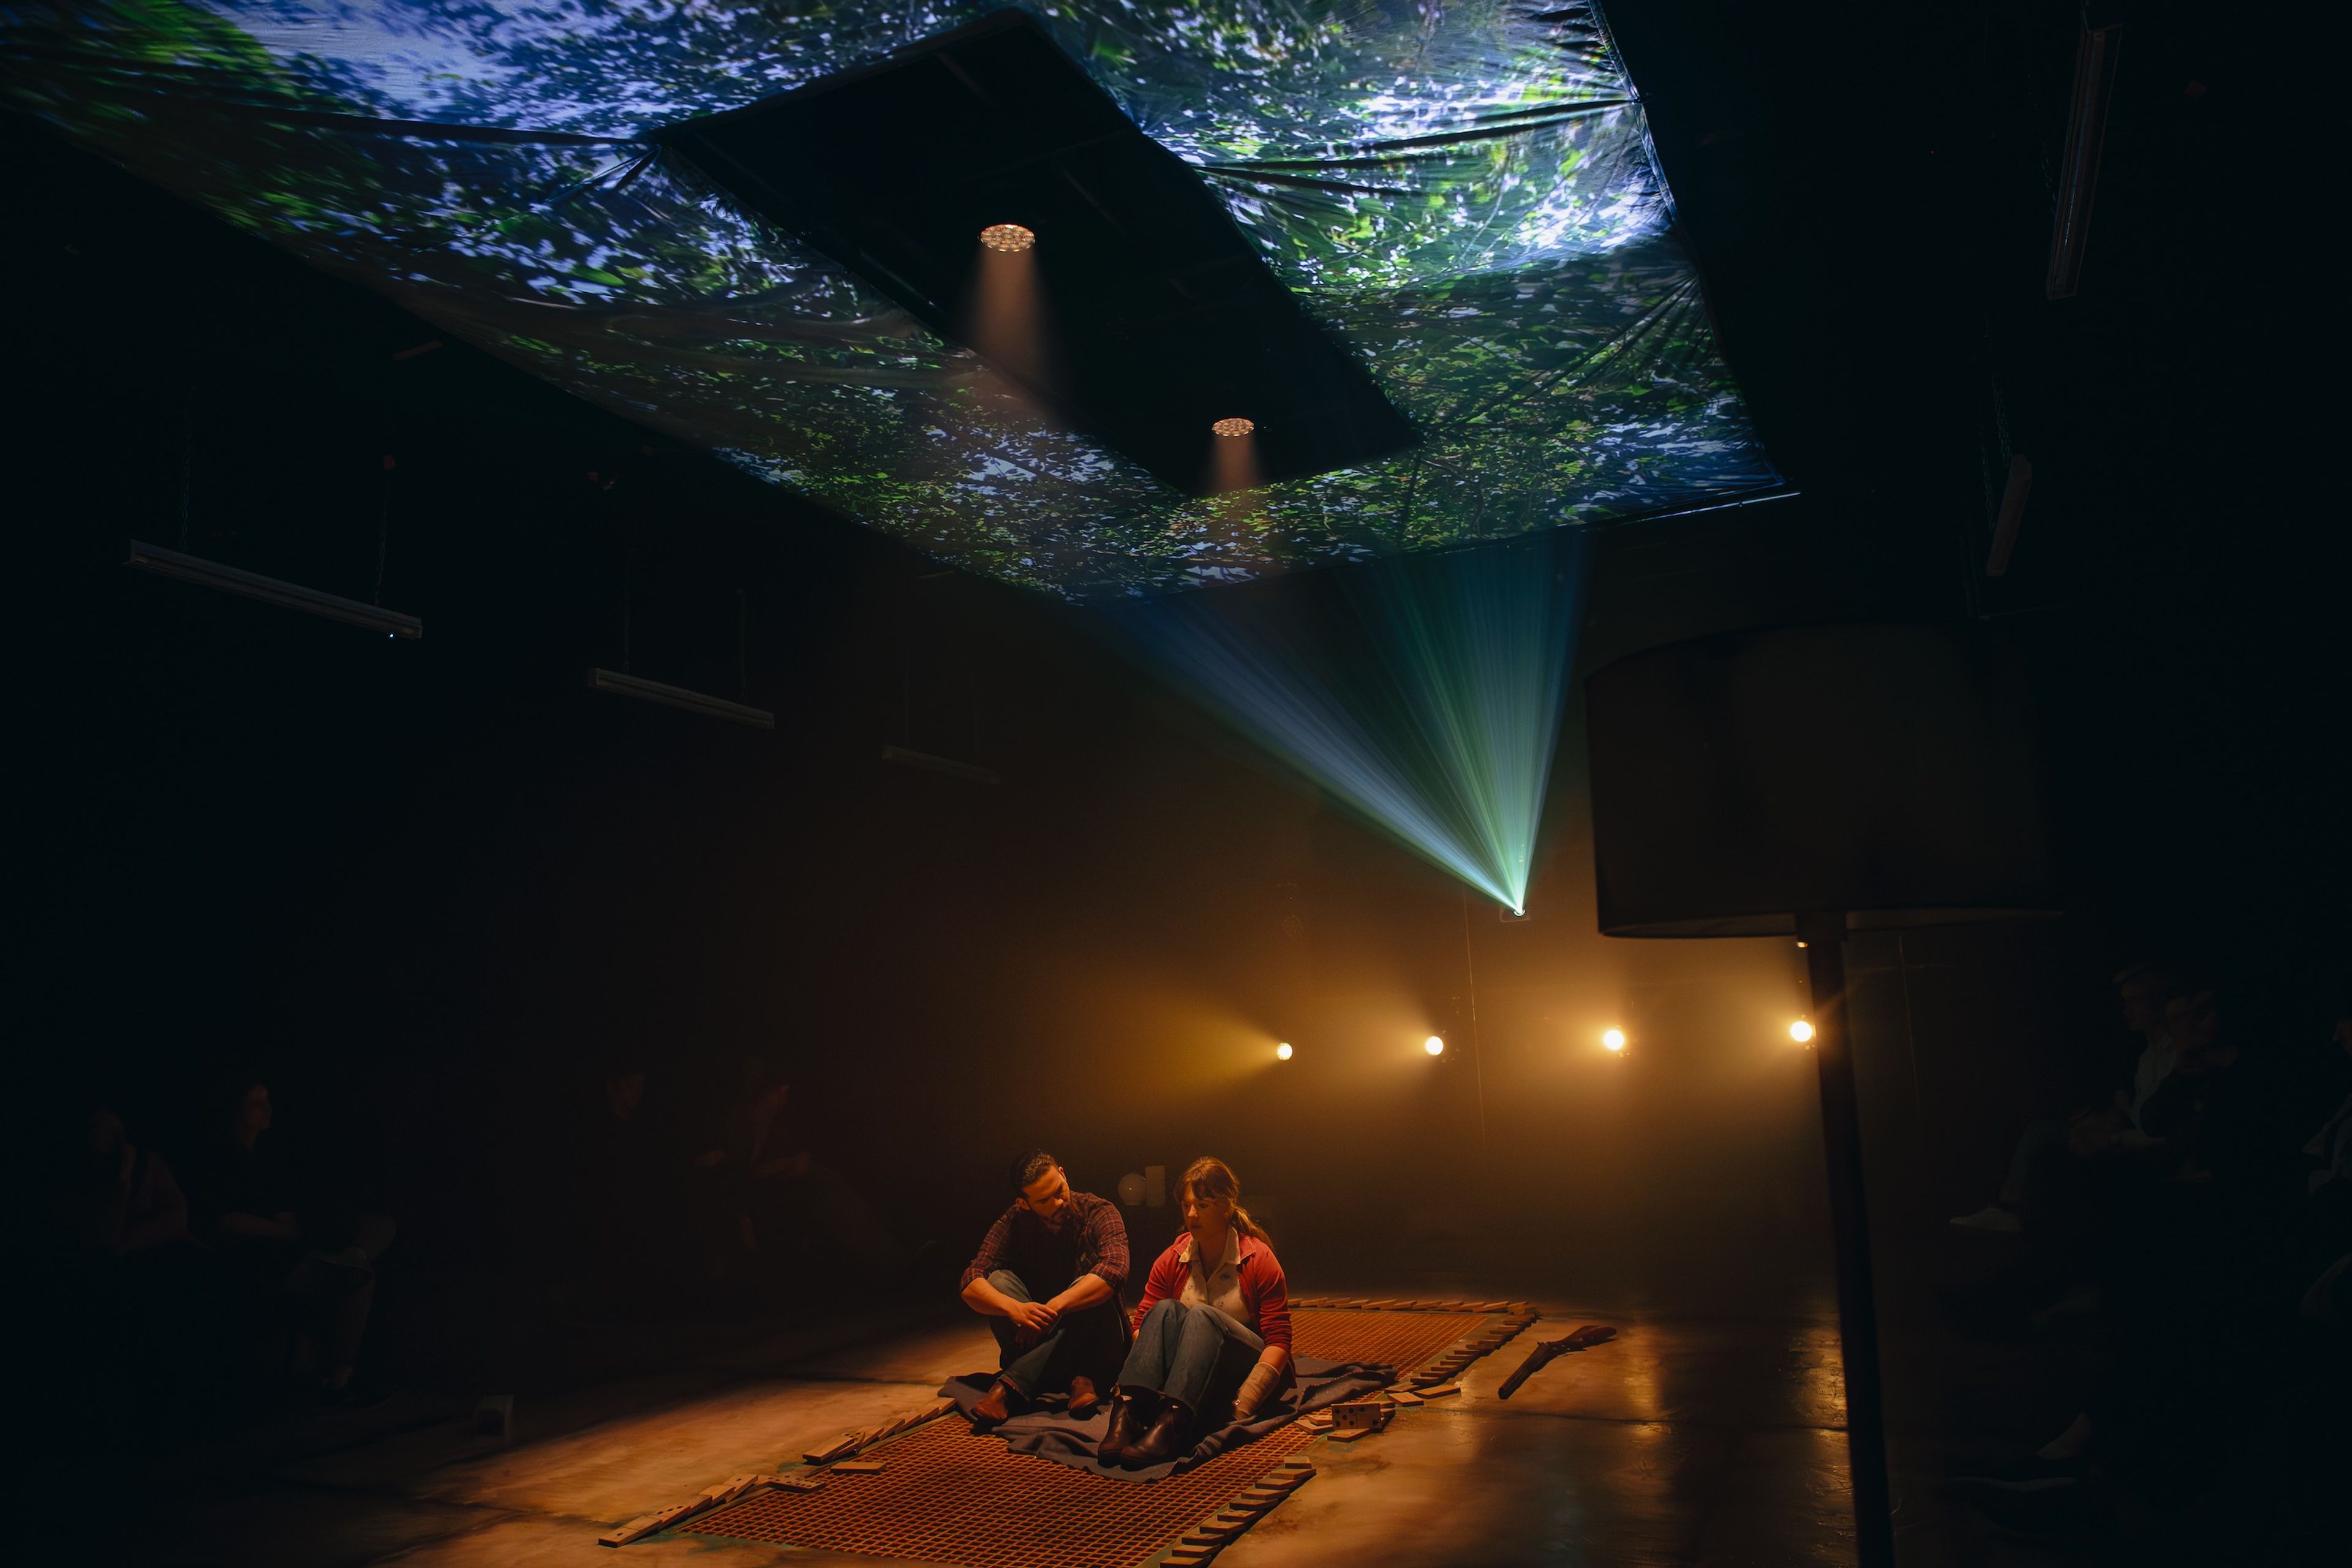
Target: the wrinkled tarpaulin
pixel 1464 192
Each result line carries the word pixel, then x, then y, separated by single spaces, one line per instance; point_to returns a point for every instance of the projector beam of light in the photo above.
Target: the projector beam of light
pixel 1005 317
pixel 1425 694
pixel 1233 462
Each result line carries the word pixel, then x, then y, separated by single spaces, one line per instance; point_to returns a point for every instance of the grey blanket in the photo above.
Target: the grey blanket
pixel 1049 1432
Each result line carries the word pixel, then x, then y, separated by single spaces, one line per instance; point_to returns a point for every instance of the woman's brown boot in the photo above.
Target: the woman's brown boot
pixel 1170 1438
pixel 1130 1412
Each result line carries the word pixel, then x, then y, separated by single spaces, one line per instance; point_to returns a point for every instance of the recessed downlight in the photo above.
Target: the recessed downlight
pixel 1008 237
pixel 1232 428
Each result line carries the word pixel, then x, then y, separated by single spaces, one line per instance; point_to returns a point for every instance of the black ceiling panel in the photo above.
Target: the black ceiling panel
pixel 1165 318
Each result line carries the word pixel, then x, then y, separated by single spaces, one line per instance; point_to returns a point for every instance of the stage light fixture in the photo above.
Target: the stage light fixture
pixel 1232 428
pixel 1801 1031
pixel 1008 237
pixel 678 696
pixel 1282 1052
pixel 1434 1046
pixel 271 590
pixel 1613 1039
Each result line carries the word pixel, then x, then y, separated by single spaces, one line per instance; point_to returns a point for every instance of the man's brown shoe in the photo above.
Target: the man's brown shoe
pixel 1082 1397
pixel 1002 1403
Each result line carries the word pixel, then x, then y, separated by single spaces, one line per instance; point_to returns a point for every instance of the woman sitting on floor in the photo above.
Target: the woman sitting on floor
pixel 1212 1333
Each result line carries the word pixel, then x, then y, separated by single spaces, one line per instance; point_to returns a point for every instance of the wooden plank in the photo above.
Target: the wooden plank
pixel 841 1447
pixel 857 1467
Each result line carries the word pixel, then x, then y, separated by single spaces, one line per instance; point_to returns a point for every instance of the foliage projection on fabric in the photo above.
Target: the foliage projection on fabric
pixel 1465 196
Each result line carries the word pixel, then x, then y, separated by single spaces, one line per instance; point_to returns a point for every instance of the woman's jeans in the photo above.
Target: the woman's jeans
pixel 1196 1355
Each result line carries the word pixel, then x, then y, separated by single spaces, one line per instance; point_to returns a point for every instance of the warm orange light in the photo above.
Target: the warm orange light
pixel 1434 1046
pixel 1801 1031
pixel 1007 237
pixel 1613 1039
pixel 1282 1052
pixel 1232 428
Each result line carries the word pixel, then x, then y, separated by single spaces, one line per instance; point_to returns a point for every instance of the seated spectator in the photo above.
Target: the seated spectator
pixel 314 1262
pixel 2326 1250
pixel 2203 1263
pixel 780 1199
pixel 139 1300
pixel 126 1199
pixel 2144 990
pixel 632 1185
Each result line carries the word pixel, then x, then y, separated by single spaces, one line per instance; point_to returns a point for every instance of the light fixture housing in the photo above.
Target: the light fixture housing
pixel 678 696
pixel 1232 428
pixel 969 772
pixel 272 591
pixel 1009 237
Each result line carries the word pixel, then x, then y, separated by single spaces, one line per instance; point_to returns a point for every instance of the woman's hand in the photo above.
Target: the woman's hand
pixel 1259 1385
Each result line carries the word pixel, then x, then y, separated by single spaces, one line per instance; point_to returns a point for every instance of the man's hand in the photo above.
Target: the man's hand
pixel 1033 1317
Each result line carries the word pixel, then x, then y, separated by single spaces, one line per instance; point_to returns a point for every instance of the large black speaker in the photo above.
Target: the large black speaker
pixel 1884 771
pixel 1811 779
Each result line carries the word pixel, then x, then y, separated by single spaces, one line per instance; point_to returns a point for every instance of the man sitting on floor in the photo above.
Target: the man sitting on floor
pixel 1073 1245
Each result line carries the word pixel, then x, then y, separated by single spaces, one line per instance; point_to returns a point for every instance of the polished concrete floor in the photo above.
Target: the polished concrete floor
pixel 1684 1442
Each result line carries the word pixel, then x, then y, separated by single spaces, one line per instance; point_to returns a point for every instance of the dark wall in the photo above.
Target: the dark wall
pixel 435 888
pixel 435 891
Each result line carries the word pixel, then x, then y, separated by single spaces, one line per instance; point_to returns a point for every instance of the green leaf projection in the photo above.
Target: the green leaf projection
pixel 1464 195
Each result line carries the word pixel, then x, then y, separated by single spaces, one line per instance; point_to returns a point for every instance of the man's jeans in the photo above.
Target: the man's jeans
pixel 1080 1344
pixel 1193 1354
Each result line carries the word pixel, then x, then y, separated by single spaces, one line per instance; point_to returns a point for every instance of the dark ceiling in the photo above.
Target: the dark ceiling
pixel 1869 196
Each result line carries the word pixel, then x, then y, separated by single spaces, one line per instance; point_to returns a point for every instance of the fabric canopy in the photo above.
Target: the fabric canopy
pixel 1464 195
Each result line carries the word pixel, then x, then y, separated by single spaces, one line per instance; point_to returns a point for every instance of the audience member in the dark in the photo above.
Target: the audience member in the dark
pixel 2325 1249
pixel 139 1298
pixel 126 1200
pixel 2144 990
pixel 2208 1248
pixel 634 1191
pixel 784 1206
pixel 307 1263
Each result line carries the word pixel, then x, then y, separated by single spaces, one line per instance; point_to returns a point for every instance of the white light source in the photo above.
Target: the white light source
pixel 1282 1052
pixel 1434 1046
pixel 1801 1031
pixel 1613 1039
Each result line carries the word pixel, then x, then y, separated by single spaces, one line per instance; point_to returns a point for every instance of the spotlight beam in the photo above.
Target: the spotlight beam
pixel 1444 736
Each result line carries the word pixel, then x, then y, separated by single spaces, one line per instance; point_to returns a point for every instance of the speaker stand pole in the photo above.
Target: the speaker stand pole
pixel 1865 1429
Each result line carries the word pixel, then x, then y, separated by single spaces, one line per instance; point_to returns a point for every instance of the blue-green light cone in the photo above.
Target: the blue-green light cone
pixel 1426 695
